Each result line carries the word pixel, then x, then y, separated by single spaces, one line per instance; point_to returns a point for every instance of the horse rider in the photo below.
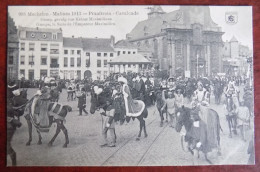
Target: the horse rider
pixel 200 100
pixel 233 91
pixel 201 95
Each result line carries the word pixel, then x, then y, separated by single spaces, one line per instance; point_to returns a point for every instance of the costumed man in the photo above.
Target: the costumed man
pixel 243 117
pixel 18 101
pixel 11 88
pixel 108 124
pixel 40 108
pixel 196 136
pixel 201 100
pixel 170 103
pixel 233 91
pixel 140 87
pixel 12 124
pixel 179 99
pixel 81 101
pixel 133 108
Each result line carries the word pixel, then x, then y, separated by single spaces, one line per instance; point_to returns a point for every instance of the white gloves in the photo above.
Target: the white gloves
pixel 198 144
pixel 182 133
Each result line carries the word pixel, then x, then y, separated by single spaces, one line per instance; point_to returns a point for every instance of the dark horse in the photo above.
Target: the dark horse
pixel 213 128
pixel 58 113
pixel 99 101
pixel 161 105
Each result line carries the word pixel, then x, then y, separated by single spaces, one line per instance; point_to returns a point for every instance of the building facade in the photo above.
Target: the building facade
pixel 12 51
pixel 235 57
pixel 39 52
pixel 185 41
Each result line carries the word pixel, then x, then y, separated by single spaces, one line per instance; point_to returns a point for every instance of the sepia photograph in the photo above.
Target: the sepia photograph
pixel 132 85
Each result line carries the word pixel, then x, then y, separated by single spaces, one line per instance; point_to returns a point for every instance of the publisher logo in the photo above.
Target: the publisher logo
pixel 231 17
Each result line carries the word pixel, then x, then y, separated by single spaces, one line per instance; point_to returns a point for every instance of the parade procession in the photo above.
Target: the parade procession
pixel 165 95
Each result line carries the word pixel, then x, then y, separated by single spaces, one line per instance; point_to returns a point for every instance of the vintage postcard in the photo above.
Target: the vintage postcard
pixel 130 86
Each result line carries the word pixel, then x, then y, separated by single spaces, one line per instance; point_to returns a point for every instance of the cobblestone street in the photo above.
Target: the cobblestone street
pixel 161 147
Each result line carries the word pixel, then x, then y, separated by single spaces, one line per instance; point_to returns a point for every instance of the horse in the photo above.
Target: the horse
pixel 183 118
pixel 231 115
pixel 99 101
pixel 161 106
pixel 57 115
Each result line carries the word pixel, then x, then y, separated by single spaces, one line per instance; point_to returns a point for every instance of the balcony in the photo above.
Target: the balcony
pixel 54 65
pixel 54 51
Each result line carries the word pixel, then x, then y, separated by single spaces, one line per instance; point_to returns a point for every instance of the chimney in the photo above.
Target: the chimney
pixel 112 40
pixel 128 36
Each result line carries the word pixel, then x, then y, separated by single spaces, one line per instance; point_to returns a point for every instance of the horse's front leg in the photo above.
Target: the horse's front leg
pixel 29 123
pixel 65 131
pixel 141 128
pixel 145 133
pixel 229 125
pixel 40 137
pixel 55 135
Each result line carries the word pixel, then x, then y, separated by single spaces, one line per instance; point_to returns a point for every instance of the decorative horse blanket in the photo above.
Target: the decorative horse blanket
pixel 133 107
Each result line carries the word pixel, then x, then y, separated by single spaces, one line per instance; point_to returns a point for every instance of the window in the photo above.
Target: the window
pixel 65 61
pixel 22 72
pixel 129 65
pixel 54 36
pixel 105 54
pixel 134 65
pixel 31 62
pixel 98 75
pixel 22 60
pixel 54 49
pixel 99 54
pixel 44 47
pixel 22 46
pixel 129 52
pixel 43 60
pixel 78 51
pixel 123 52
pixel 72 62
pixel 11 60
pixel 72 52
pixel 118 53
pixel 105 74
pixel 79 62
pixel 111 55
pixel 31 46
pixel 98 63
pixel 87 54
pixel 43 73
pixel 133 52
pixel 65 51
pixel 105 63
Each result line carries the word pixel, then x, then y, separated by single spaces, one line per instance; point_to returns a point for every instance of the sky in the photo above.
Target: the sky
pixel 242 30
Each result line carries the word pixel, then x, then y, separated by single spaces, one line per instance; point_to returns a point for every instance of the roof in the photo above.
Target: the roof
pixel 233 39
pixel 180 19
pixel 12 38
pixel 72 42
pixel 130 59
pixel 97 44
pixel 37 29
pixel 124 44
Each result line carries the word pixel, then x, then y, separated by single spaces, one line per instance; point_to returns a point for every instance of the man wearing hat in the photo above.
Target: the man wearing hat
pixel 108 124
pixel 170 103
